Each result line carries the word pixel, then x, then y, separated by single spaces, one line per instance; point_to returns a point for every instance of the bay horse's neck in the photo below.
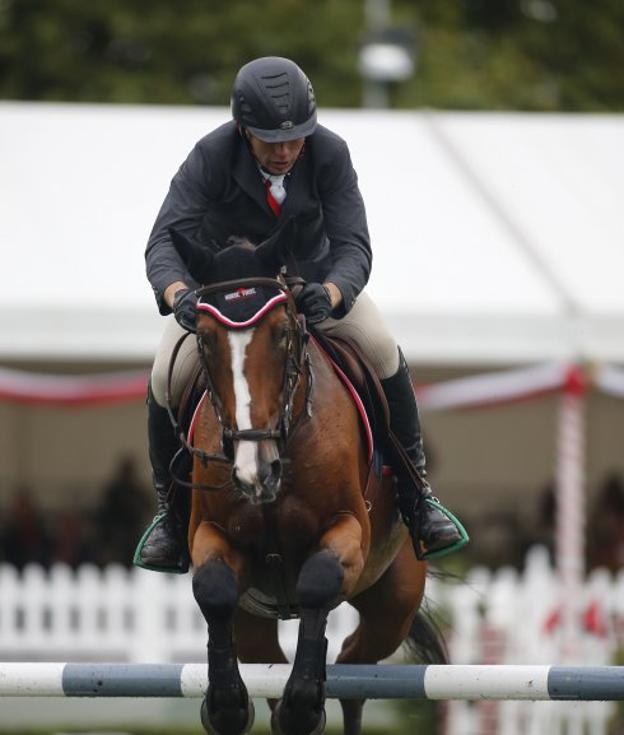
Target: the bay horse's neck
pixel 334 415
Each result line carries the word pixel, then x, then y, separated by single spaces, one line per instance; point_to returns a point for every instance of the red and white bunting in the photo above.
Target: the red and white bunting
pixel 610 379
pixel 475 391
pixel 495 388
pixel 77 390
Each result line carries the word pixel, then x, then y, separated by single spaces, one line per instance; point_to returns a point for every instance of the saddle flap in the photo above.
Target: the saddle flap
pixel 355 367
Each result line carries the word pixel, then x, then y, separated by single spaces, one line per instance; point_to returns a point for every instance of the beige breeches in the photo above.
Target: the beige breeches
pixel 363 325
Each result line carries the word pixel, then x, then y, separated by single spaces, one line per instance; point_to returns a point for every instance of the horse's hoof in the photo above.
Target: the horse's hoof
pixel 278 728
pixel 228 725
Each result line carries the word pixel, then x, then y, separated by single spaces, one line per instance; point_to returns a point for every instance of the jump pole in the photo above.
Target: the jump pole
pixel 436 682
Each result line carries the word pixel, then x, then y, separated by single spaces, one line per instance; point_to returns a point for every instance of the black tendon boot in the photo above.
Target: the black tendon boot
pixel 429 527
pixel 163 546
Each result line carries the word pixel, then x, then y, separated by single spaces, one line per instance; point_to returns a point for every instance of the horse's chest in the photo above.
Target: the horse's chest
pixel 286 527
pixel 245 525
pixel 275 540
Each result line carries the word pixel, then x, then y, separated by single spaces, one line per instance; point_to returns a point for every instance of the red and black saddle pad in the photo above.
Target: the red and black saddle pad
pixel 361 381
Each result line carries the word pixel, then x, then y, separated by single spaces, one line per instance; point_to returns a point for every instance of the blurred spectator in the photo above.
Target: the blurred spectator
pixel 545 530
pixel 547 510
pixel 605 530
pixel 73 542
pixel 121 515
pixel 24 537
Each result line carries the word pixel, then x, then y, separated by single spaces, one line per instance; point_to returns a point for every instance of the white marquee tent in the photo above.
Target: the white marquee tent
pixel 498 238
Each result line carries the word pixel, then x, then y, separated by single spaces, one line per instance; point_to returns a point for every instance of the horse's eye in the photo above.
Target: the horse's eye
pixel 282 335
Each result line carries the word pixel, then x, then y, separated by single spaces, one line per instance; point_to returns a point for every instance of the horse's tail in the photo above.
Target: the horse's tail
pixel 425 642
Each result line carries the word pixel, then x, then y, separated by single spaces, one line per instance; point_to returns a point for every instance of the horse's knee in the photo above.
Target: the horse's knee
pixel 320 580
pixel 215 589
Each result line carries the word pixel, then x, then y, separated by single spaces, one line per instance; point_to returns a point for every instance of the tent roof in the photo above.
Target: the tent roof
pixel 496 237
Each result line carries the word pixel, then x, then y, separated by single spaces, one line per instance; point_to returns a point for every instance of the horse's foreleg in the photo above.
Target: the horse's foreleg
pixel 326 576
pixel 227 708
pixel 387 610
pixel 257 641
pixel 301 711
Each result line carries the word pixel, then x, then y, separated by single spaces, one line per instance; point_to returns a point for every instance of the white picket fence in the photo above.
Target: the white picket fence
pixel 508 617
pixel 114 615
pixel 503 617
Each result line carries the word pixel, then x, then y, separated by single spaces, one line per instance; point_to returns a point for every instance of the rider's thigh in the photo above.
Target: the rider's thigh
pixel 365 326
pixel 185 363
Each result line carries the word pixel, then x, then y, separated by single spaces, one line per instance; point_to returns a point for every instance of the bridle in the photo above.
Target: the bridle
pixel 297 365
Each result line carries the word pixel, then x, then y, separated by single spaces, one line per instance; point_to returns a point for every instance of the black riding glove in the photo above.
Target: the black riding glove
pixel 185 309
pixel 315 302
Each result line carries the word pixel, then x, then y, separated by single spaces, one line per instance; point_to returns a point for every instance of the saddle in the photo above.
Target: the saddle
pixel 362 382
pixel 386 452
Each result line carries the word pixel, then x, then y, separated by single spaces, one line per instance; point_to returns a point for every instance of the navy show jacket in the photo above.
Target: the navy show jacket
pixel 219 192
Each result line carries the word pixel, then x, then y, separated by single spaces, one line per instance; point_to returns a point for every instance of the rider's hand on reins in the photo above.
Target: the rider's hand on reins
pixel 185 309
pixel 315 302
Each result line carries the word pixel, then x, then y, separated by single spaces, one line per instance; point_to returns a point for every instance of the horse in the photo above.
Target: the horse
pixel 288 518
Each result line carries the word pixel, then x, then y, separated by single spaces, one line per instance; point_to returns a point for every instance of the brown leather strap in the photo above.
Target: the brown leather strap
pixel 372 487
pixel 399 456
pixel 275 563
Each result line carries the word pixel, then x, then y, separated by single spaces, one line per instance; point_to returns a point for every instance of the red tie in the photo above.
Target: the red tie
pixel 271 200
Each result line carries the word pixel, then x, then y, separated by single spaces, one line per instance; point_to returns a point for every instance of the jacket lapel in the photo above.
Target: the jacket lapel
pixel 294 188
pixel 247 176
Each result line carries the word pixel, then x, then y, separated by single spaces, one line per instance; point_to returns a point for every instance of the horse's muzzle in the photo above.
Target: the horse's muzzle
pixel 267 482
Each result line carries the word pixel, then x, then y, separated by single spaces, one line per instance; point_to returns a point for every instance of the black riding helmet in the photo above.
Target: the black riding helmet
pixel 274 100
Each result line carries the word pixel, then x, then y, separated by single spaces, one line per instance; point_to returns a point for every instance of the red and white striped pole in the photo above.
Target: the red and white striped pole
pixel 570 523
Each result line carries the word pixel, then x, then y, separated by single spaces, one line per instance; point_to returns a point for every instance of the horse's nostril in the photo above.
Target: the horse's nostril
pixel 269 473
pixel 276 469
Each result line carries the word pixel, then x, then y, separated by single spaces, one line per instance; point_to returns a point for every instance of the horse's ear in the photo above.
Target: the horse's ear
pixel 197 259
pixel 275 250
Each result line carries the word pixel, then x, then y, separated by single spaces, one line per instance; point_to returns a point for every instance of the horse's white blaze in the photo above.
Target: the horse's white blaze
pixel 245 457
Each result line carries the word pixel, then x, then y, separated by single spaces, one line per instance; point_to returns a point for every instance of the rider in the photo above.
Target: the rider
pixel 274 159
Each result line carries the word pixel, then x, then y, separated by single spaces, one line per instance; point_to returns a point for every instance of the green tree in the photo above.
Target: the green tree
pixel 472 54
pixel 166 51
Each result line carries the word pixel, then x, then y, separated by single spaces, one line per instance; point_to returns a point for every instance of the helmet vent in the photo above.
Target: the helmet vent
pixel 279 88
pixel 311 98
pixel 245 107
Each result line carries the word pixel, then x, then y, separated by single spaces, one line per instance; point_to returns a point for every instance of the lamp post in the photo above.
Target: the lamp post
pixel 386 56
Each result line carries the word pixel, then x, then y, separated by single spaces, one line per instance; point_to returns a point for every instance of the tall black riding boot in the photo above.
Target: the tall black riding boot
pixel 428 526
pixel 164 544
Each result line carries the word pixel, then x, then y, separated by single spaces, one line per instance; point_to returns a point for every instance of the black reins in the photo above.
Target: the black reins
pixel 297 365
pixel 204 457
